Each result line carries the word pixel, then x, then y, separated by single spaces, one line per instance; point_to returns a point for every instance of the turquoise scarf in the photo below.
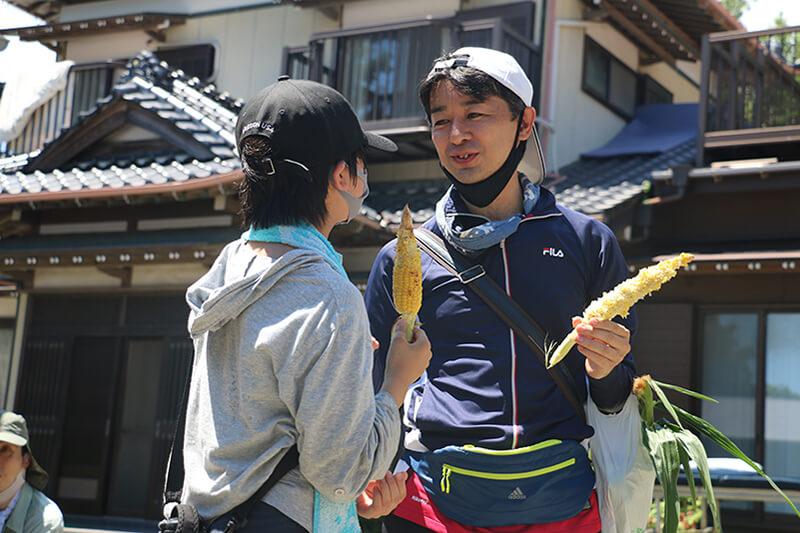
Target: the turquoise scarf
pixel 303 236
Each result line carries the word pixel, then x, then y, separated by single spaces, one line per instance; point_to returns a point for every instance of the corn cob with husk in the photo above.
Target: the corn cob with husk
pixel 407 277
pixel 621 298
pixel 673 440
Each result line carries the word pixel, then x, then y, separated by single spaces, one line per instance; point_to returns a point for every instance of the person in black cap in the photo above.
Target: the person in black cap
pixel 23 506
pixel 283 353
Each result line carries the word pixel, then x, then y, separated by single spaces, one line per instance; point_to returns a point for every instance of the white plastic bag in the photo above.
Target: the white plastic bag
pixel 624 471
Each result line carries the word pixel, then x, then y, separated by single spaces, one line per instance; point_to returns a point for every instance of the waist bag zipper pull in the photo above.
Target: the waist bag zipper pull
pixel 445 484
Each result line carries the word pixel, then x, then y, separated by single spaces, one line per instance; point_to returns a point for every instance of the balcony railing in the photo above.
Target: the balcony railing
pixel 379 69
pixel 86 83
pixel 750 87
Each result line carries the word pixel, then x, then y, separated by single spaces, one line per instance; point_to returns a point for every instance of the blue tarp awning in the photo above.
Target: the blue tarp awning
pixel 654 129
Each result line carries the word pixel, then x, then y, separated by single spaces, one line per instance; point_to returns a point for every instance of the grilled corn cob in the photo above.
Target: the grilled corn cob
pixel 407 277
pixel 621 298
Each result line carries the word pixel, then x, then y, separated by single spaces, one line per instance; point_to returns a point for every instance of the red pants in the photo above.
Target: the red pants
pixel 418 508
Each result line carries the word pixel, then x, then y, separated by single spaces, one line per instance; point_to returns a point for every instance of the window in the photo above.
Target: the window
pixel 652 92
pixel 595 70
pixel 519 16
pixel 749 359
pixel 622 88
pixel 297 62
pixel 608 80
pixel 506 27
pixel 782 391
pixel 195 60
pixel 378 72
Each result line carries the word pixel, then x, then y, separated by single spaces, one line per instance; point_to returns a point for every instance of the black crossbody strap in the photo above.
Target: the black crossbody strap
pixel 526 328
pixel 175 473
pixel 239 516
pixel 174 482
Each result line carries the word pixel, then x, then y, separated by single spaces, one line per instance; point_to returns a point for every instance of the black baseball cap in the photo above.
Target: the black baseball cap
pixel 307 123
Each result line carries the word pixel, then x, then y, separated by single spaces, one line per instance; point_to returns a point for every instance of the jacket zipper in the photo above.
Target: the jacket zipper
pixel 514 414
pixel 540 217
pixel 514 401
pixel 447 470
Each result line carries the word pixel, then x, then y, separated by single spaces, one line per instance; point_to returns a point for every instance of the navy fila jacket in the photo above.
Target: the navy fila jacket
pixel 484 386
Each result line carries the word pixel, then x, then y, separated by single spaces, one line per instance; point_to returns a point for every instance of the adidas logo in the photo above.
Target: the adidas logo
pixel 517 494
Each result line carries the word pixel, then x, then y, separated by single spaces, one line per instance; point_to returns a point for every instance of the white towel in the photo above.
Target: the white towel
pixel 25 91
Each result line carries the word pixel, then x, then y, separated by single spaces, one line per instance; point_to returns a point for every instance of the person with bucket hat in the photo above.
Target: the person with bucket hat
pixel 283 353
pixel 23 506
pixel 492 438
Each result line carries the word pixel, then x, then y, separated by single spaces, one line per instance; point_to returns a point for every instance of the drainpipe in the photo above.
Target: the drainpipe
pixel 548 74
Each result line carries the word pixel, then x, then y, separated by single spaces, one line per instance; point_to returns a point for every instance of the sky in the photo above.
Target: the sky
pixel 761 15
pixel 17 52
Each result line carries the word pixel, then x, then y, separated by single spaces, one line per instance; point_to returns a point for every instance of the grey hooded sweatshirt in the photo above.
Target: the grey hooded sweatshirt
pixel 282 356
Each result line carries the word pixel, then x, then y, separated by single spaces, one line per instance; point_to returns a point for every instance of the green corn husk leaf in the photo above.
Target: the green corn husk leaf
pixel 663 448
pixel 687 392
pixel 702 426
pixel 665 401
pixel 647 406
pixel 692 446
pixel 687 468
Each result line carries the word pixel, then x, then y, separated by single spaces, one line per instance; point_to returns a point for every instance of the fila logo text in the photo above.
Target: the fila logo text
pixel 552 252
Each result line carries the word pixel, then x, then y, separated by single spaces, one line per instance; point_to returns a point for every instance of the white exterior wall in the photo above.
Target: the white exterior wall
pixel 692 69
pixel 250 43
pixel 616 43
pixel 111 8
pixel 581 122
pixel 8 307
pixel 73 277
pixel 357 14
pixel 102 47
pixel 179 275
pixel 683 90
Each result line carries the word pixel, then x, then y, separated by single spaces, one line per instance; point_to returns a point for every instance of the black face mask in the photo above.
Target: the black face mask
pixel 484 192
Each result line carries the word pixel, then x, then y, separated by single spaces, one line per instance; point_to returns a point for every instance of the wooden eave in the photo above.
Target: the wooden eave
pixel 57 31
pixel 217 181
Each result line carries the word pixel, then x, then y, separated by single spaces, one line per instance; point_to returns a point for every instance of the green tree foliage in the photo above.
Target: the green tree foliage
pixel 736 7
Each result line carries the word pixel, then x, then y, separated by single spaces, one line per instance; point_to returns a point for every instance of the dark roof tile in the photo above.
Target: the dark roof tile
pixel 591 186
pixel 596 185
pixel 192 106
pixel 222 151
pixel 191 126
pixel 174 115
pixel 158 105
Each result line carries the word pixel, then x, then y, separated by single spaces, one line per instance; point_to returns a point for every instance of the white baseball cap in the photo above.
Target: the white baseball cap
pixel 504 69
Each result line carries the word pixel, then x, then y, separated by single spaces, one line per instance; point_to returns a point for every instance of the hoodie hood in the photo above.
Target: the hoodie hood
pixel 237 279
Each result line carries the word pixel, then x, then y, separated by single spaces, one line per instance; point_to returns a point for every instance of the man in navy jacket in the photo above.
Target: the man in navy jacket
pixel 484 386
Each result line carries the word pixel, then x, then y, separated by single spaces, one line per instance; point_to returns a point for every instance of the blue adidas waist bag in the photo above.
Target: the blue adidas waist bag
pixel 545 482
